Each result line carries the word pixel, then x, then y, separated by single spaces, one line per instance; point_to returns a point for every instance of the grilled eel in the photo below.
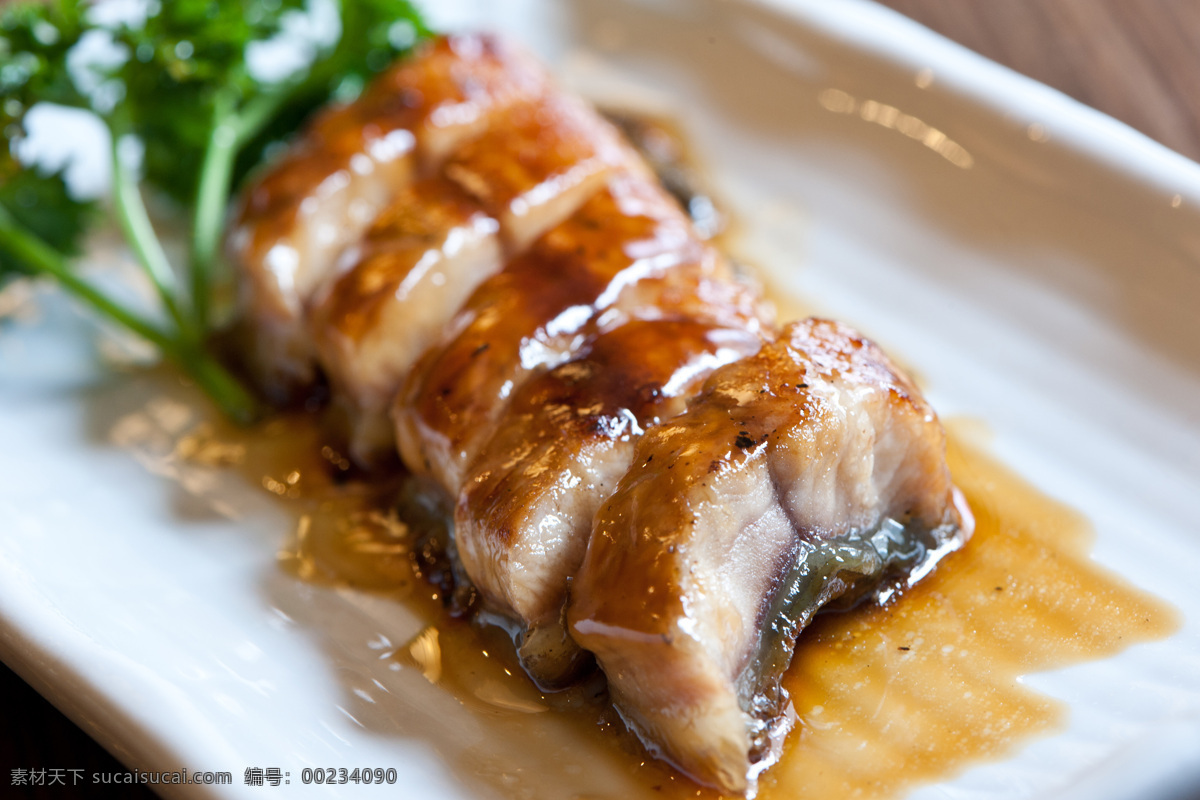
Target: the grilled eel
pixel 641 465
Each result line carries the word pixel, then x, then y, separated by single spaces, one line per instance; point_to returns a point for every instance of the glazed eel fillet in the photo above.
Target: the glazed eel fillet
pixel 642 467
pixel 808 473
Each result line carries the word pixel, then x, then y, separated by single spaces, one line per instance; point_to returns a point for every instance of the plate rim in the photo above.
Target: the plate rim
pixel 1112 145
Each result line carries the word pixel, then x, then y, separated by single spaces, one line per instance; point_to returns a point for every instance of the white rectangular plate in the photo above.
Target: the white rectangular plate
pixel 1036 263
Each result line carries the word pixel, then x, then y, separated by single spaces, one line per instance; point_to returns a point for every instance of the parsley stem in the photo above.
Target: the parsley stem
pixel 139 233
pixel 231 131
pixel 219 384
pixel 257 113
pixel 40 258
pixel 212 192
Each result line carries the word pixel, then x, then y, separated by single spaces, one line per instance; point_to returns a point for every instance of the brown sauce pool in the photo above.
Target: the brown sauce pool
pixel 929 683
pixel 887 699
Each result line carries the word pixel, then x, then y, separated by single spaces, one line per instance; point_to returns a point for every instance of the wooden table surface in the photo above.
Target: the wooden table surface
pixel 1137 60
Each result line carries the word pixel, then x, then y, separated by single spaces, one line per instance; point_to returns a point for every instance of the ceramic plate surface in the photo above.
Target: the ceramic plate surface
pixel 1036 263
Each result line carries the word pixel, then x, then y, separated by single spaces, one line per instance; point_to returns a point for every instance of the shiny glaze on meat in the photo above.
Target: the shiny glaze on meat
pixel 538 163
pixel 441 238
pixel 811 471
pixel 626 282
pixel 533 314
pixel 416 265
pixel 564 440
pixel 347 165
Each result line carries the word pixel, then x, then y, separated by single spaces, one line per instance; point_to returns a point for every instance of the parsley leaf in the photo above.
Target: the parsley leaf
pixel 189 79
pixel 188 56
pixel 41 203
pixel 189 62
pixel 35 39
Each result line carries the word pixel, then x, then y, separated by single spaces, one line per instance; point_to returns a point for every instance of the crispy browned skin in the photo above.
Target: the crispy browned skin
pixel 809 471
pixel 533 314
pixel 441 238
pixel 417 263
pixel 612 285
pixel 346 166
pixel 525 511
pixel 416 223
pixel 538 163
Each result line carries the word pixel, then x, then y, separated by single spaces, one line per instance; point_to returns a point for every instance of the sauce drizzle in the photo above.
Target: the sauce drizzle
pixel 888 698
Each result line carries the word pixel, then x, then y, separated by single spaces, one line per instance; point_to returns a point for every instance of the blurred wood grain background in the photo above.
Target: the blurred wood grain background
pixel 1137 60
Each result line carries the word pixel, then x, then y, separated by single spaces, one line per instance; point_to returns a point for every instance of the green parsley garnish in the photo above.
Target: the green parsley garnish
pixel 179 77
